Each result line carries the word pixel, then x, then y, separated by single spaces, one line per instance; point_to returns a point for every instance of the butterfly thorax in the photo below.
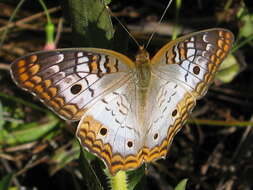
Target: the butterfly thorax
pixel 143 73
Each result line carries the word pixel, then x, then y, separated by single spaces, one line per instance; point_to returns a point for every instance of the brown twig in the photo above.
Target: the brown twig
pixel 28 19
pixel 21 147
pixel 31 165
pixel 7 157
pixel 4 66
pixel 59 31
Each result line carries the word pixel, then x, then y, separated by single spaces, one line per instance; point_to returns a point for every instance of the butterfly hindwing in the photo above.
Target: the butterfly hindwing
pixel 169 105
pixel 112 129
pixel 68 81
pixel 123 134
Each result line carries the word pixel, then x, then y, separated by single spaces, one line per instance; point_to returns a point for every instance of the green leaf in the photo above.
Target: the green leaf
pixel 182 185
pixel 246 20
pixel 6 181
pixel 28 134
pixel 90 21
pixel 89 156
pixel 88 173
pixel 228 69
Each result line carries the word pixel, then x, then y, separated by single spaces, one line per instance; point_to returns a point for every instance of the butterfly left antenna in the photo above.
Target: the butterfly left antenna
pixel 155 30
pixel 123 26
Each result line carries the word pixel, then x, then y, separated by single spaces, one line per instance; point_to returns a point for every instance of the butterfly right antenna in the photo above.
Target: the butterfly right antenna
pixel 155 30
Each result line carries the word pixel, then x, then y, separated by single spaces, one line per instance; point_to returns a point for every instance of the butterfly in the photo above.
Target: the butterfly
pixel 129 111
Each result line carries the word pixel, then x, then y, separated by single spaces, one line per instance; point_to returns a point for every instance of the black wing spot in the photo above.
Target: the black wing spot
pixel 103 131
pixel 174 113
pixel 155 136
pixel 196 70
pixel 130 144
pixel 75 89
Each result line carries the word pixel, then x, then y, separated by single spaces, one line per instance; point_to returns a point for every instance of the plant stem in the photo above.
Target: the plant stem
pixel 22 101
pixel 46 11
pixel 221 123
pixel 119 181
pixel 239 45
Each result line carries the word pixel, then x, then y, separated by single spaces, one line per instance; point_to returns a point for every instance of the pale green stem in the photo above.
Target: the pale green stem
pixel 46 11
pixel 241 44
pixel 119 181
pixel 49 26
pixel 220 123
pixel 176 28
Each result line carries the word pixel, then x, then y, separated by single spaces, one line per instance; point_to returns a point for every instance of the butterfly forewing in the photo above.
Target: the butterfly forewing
pixel 69 81
pixel 193 60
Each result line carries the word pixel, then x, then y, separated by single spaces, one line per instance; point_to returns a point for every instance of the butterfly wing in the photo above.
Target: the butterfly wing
pixel 182 71
pixel 169 105
pixel 95 85
pixel 111 129
pixel 69 81
pixel 194 59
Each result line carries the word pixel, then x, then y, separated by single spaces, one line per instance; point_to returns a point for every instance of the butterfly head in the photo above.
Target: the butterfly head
pixel 142 56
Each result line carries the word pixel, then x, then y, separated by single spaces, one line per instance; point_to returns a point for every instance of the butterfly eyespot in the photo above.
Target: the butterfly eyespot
pixel 103 131
pixel 196 70
pixel 130 144
pixel 155 136
pixel 75 89
pixel 174 113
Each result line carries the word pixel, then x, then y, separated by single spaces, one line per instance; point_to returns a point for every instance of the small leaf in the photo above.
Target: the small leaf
pixel 91 22
pixel 134 177
pixel 228 69
pixel 246 20
pixel 181 185
pixel 6 181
